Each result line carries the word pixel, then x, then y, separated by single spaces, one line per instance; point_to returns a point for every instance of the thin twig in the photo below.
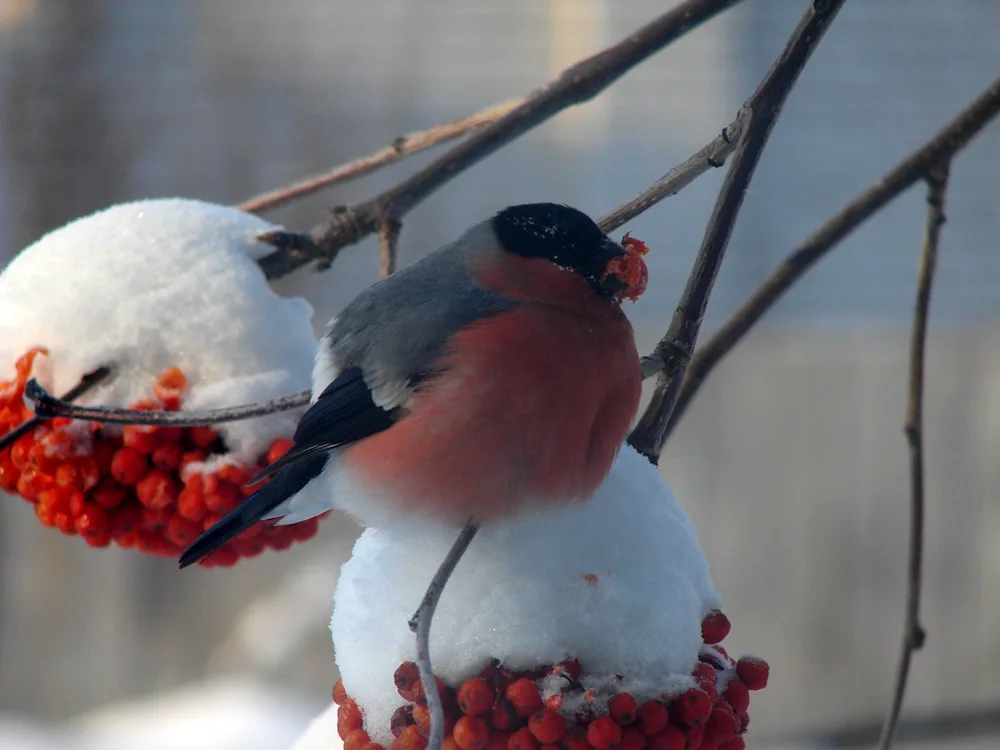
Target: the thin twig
pixel 388 246
pixel 577 84
pixel 420 624
pixel 913 632
pixel 399 149
pixel 712 156
pixel 47 406
pixel 945 144
pixel 87 382
pixel 674 350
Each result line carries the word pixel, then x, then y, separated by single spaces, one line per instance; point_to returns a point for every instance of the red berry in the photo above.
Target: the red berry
pixel 348 718
pixel 692 707
pixel 167 456
pixel 182 531
pixel 623 708
pixel 498 741
pixel 93 521
pixel 402 717
pixel 737 744
pixel 737 695
pixel 223 498
pixel 191 505
pixel 715 627
pixel 156 490
pixel 604 733
pixel 547 725
pixel 653 717
pixel 140 438
pixel 722 724
pixel 422 718
pixel 632 739
pixel 409 739
pixel 504 717
pixel 202 437
pixel 475 697
pixel 671 738
pixel 753 671
pixel 695 738
pixel 522 739
pixel 523 695
pixel 471 733
pixel 570 668
pixel 128 466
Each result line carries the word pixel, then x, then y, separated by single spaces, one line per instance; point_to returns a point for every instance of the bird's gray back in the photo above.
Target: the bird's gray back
pixel 396 329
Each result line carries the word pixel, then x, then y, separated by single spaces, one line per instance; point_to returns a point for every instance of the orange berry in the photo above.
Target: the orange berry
pixel 93 521
pixel 407 680
pixel 140 438
pixel 339 693
pixel 19 452
pixel 77 502
pixel 191 457
pixel 475 697
pixel 671 738
pixel 576 738
pixel 471 733
pixel 235 474
pixel 26 361
pixel 554 701
pixel 348 718
pixel 223 498
pixel 547 725
pixel 66 523
pixel 422 718
pixel 522 739
pixel 279 448
pixel 182 531
pixel 170 385
pixel 523 695
pixel 90 473
pixel 108 494
pixel 356 740
pixel 66 475
pixel 653 717
pixel 503 716
pixel 128 466
pixel 448 743
pixel 409 739
pixel 604 733
pixel 402 717
pixel 203 437
pixel 156 490
pixel 167 456
pixel 623 708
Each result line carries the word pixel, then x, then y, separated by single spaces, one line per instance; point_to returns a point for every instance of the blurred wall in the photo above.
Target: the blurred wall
pixel 792 461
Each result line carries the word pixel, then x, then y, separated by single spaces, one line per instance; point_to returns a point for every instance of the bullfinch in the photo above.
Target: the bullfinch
pixel 496 376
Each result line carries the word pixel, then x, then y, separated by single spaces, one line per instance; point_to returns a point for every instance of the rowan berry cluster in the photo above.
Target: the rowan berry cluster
pixel 133 487
pixel 504 710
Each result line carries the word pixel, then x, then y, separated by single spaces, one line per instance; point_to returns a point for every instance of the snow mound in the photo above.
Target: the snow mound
pixel 155 284
pixel 619 583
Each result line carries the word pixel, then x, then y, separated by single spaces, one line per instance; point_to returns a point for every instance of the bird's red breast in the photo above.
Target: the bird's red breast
pixel 531 407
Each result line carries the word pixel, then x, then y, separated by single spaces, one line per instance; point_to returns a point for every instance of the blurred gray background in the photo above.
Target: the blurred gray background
pixel 792 461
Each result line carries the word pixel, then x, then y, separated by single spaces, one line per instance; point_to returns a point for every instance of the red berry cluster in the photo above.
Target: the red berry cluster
pixel 504 710
pixel 132 487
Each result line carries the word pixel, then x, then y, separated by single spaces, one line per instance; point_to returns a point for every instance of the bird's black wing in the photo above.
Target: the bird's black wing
pixel 344 413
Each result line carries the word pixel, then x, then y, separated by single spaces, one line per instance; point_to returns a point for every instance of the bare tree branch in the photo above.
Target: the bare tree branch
pixel 577 84
pixel 947 142
pixel 399 149
pixel 47 406
pixel 86 383
pixel 712 156
pixel 388 246
pixel 420 624
pixel 913 632
pixel 674 350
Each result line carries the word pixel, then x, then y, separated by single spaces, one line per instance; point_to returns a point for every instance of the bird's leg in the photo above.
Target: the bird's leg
pixel 420 624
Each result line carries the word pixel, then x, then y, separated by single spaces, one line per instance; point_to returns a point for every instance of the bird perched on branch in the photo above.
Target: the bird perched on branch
pixel 495 376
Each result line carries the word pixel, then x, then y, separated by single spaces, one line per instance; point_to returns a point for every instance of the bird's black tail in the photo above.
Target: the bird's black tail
pixel 289 480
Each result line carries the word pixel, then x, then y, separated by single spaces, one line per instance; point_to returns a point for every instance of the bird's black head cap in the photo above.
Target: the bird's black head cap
pixel 567 237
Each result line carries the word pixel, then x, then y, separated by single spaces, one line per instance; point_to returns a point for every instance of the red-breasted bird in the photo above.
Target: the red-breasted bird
pixel 495 376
